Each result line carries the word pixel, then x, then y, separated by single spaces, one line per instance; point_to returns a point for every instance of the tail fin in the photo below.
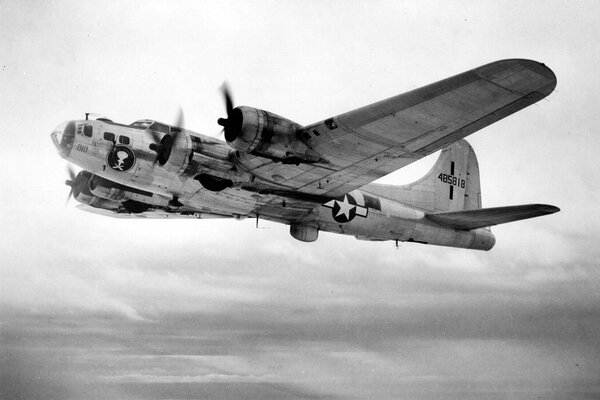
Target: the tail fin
pixel 451 185
pixel 450 193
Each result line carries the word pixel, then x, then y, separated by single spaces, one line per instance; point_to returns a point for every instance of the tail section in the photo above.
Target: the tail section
pixel 450 194
pixel 451 185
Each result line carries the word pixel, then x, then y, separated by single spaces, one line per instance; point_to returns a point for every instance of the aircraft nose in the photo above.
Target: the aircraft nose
pixel 63 136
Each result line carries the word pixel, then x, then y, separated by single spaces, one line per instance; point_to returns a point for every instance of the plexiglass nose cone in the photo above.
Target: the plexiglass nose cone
pixel 62 137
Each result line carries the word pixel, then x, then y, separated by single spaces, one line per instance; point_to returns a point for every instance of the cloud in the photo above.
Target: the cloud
pixel 224 378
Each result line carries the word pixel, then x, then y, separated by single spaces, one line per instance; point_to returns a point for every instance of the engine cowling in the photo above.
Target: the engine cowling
pixel 82 193
pixel 268 135
pixel 98 192
pixel 179 154
pixel 109 190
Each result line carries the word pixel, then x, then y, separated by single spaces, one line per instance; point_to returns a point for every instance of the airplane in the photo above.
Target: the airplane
pixel 318 177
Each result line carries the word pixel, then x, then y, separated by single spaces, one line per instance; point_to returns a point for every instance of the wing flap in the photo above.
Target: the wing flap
pixel 482 217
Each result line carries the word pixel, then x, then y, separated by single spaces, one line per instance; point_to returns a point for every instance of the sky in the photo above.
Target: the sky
pixel 99 308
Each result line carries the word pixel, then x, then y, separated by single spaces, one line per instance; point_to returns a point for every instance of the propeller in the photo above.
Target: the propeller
pixel 163 146
pixel 180 120
pixel 70 182
pixel 231 123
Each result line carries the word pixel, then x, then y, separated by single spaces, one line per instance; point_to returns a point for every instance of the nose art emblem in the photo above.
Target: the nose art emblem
pixel 121 158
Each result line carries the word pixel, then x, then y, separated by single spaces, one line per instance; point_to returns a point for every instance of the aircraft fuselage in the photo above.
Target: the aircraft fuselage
pixel 122 154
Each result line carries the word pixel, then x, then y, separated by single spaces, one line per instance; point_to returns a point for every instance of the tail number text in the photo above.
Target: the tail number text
pixel 452 180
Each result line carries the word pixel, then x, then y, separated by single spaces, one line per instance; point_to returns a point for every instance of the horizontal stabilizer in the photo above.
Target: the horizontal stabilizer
pixel 482 217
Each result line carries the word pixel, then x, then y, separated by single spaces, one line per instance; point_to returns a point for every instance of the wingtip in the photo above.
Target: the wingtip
pixel 538 67
pixel 543 70
pixel 548 209
pixel 494 71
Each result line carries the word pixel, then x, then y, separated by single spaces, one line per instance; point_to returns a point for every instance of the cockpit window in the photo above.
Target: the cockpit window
pixel 87 130
pixel 142 123
pixel 123 139
pixel 153 125
pixel 158 127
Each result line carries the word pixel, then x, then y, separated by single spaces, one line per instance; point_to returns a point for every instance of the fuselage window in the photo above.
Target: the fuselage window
pixel 87 130
pixel 123 139
pixel 109 136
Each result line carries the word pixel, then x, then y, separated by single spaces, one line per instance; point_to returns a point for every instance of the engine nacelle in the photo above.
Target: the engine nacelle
pixel 82 193
pixel 179 157
pixel 268 135
pixel 97 202
pixel 128 206
pixel 106 189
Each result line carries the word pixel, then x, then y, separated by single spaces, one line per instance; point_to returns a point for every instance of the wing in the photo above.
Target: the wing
pixel 472 219
pixel 363 145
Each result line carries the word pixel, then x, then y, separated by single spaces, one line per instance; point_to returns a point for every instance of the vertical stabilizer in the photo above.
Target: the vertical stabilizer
pixel 451 185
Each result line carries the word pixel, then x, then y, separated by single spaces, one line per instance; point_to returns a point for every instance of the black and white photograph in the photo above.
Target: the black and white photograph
pixel 299 199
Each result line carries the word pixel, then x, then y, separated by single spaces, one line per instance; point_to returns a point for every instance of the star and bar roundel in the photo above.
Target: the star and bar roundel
pixel 345 208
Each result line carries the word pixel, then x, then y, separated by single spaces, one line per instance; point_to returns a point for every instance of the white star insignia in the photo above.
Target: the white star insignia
pixel 345 207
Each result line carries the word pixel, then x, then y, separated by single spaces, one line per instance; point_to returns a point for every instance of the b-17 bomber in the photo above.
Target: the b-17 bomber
pixel 318 177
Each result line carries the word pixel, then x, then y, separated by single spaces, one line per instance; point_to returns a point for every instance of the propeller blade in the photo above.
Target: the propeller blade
pixel 69 196
pixel 155 136
pixel 156 145
pixel 71 172
pixel 180 121
pixel 163 146
pixel 175 130
pixel 228 105
pixel 70 182
pixel 228 98
pixel 229 124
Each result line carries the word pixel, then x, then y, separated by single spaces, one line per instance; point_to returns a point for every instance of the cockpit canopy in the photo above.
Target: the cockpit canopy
pixel 152 125
pixel 142 123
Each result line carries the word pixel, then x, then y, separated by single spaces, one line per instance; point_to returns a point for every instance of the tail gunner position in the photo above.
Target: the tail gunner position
pixel 316 177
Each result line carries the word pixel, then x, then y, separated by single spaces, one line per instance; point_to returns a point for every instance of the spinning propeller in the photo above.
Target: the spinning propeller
pixel 71 182
pixel 77 182
pixel 231 124
pixel 163 146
